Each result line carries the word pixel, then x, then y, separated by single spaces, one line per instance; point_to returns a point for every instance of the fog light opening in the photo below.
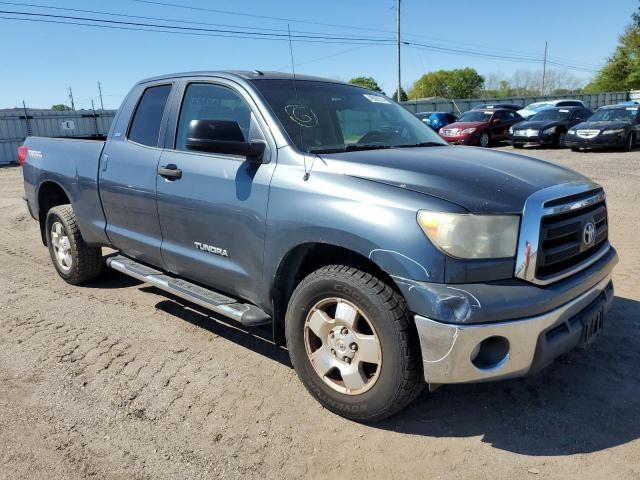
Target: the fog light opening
pixel 491 353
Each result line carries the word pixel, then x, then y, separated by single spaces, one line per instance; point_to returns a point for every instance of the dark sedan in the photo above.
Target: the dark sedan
pixel 549 127
pixel 480 127
pixel 614 126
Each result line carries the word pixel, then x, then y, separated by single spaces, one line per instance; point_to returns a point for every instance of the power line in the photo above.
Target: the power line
pixel 143 17
pixel 252 34
pixel 196 29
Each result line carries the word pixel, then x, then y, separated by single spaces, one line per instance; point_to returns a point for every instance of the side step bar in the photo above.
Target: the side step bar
pixel 248 315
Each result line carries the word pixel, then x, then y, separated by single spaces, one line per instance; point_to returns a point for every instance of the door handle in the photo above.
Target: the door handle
pixel 171 171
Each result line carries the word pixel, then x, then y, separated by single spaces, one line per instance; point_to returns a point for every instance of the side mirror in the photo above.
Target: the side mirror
pixel 222 136
pixel 495 121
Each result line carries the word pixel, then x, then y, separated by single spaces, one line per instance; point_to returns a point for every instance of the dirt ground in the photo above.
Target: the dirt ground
pixel 117 380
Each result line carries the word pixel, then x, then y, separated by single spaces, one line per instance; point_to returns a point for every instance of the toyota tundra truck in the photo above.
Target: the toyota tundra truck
pixel 383 258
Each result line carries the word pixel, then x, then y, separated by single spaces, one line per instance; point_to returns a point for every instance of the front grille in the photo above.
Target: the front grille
pixel 567 240
pixel 588 133
pixel 526 133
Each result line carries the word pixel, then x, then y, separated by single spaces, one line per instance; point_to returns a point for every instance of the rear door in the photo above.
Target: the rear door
pixel 213 218
pixel 128 173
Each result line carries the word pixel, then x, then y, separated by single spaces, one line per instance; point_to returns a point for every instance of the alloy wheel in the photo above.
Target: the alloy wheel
pixel 342 346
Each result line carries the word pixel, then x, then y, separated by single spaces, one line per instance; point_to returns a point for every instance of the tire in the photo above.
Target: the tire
pixel 74 260
pixel 485 140
pixel 517 145
pixel 560 140
pixel 380 389
pixel 629 142
pixel 575 149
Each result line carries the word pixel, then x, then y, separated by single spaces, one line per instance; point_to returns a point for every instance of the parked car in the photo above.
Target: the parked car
pixel 548 127
pixel 436 120
pixel 380 255
pixel 614 126
pixel 536 107
pixel 629 103
pixel 508 106
pixel 480 127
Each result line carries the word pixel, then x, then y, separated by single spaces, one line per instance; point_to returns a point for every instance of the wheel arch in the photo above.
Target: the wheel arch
pixel 50 194
pixel 305 258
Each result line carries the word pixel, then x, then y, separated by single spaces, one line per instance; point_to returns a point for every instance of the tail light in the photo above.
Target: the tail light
pixel 23 151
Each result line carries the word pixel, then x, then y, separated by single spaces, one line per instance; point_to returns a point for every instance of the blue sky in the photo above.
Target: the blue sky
pixel 40 60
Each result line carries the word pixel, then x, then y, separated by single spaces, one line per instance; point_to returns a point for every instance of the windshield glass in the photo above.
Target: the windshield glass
pixel 332 117
pixel 476 116
pixel 615 114
pixel 551 115
pixel 536 107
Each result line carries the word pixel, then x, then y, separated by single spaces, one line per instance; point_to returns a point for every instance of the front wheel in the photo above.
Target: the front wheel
pixel 485 140
pixel 560 141
pixel 630 142
pixel 75 261
pixel 353 344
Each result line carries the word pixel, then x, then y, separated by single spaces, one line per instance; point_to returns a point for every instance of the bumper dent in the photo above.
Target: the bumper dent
pixel 447 350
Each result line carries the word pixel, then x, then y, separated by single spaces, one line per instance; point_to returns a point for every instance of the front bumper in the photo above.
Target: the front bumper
pixel 600 141
pixel 532 343
pixel 462 140
pixel 541 139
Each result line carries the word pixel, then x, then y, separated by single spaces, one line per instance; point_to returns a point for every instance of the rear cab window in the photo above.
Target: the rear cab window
pixel 147 118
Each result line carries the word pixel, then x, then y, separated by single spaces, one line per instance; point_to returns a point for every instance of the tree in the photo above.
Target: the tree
pixel 403 95
pixel 458 83
pixel 367 82
pixel 622 70
pixel 61 107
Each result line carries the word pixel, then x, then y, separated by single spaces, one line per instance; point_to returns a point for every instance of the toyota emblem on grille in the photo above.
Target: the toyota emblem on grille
pixel 589 234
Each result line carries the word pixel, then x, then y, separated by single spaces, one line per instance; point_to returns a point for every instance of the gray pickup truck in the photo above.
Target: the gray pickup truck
pixel 382 257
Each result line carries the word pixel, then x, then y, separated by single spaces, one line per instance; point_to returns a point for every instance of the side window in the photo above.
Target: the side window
pixel 205 101
pixel 147 118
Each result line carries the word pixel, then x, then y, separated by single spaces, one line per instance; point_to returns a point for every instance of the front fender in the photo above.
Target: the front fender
pixel 375 220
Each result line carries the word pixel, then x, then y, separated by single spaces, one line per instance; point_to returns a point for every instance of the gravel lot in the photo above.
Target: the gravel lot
pixel 116 380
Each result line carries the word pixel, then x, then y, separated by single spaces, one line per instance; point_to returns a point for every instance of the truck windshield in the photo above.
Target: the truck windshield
pixel 324 117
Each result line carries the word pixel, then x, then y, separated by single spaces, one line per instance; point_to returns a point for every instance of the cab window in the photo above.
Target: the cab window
pixel 203 101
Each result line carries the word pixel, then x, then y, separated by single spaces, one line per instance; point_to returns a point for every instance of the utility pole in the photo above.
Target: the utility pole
pixel 100 91
pixel 398 41
pixel 73 105
pixel 544 68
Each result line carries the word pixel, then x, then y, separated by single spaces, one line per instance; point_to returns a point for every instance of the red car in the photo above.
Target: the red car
pixel 481 127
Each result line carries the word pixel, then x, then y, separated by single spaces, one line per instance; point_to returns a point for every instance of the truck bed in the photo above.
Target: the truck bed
pixel 73 164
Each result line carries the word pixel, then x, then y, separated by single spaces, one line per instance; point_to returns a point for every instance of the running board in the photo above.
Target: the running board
pixel 248 315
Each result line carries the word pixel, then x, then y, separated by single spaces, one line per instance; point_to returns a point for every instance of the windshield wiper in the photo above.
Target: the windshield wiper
pixel 366 146
pixel 422 144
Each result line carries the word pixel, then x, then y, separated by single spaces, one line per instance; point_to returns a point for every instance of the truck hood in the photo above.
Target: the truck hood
pixel 478 179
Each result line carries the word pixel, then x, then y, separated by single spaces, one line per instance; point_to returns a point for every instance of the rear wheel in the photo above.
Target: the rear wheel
pixel 485 139
pixel 75 261
pixel 353 344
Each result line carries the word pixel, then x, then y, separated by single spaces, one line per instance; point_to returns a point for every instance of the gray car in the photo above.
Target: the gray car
pixel 382 257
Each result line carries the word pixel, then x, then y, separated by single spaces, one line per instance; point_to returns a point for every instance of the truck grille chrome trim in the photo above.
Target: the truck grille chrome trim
pixel 568 199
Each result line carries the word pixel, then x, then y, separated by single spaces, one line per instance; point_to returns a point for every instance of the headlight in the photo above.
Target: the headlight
pixel 549 131
pixel 471 236
pixel 511 130
pixel 469 130
pixel 613 131
pixel 572 132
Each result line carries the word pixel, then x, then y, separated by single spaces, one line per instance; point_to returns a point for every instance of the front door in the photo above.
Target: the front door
pixel 213 217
